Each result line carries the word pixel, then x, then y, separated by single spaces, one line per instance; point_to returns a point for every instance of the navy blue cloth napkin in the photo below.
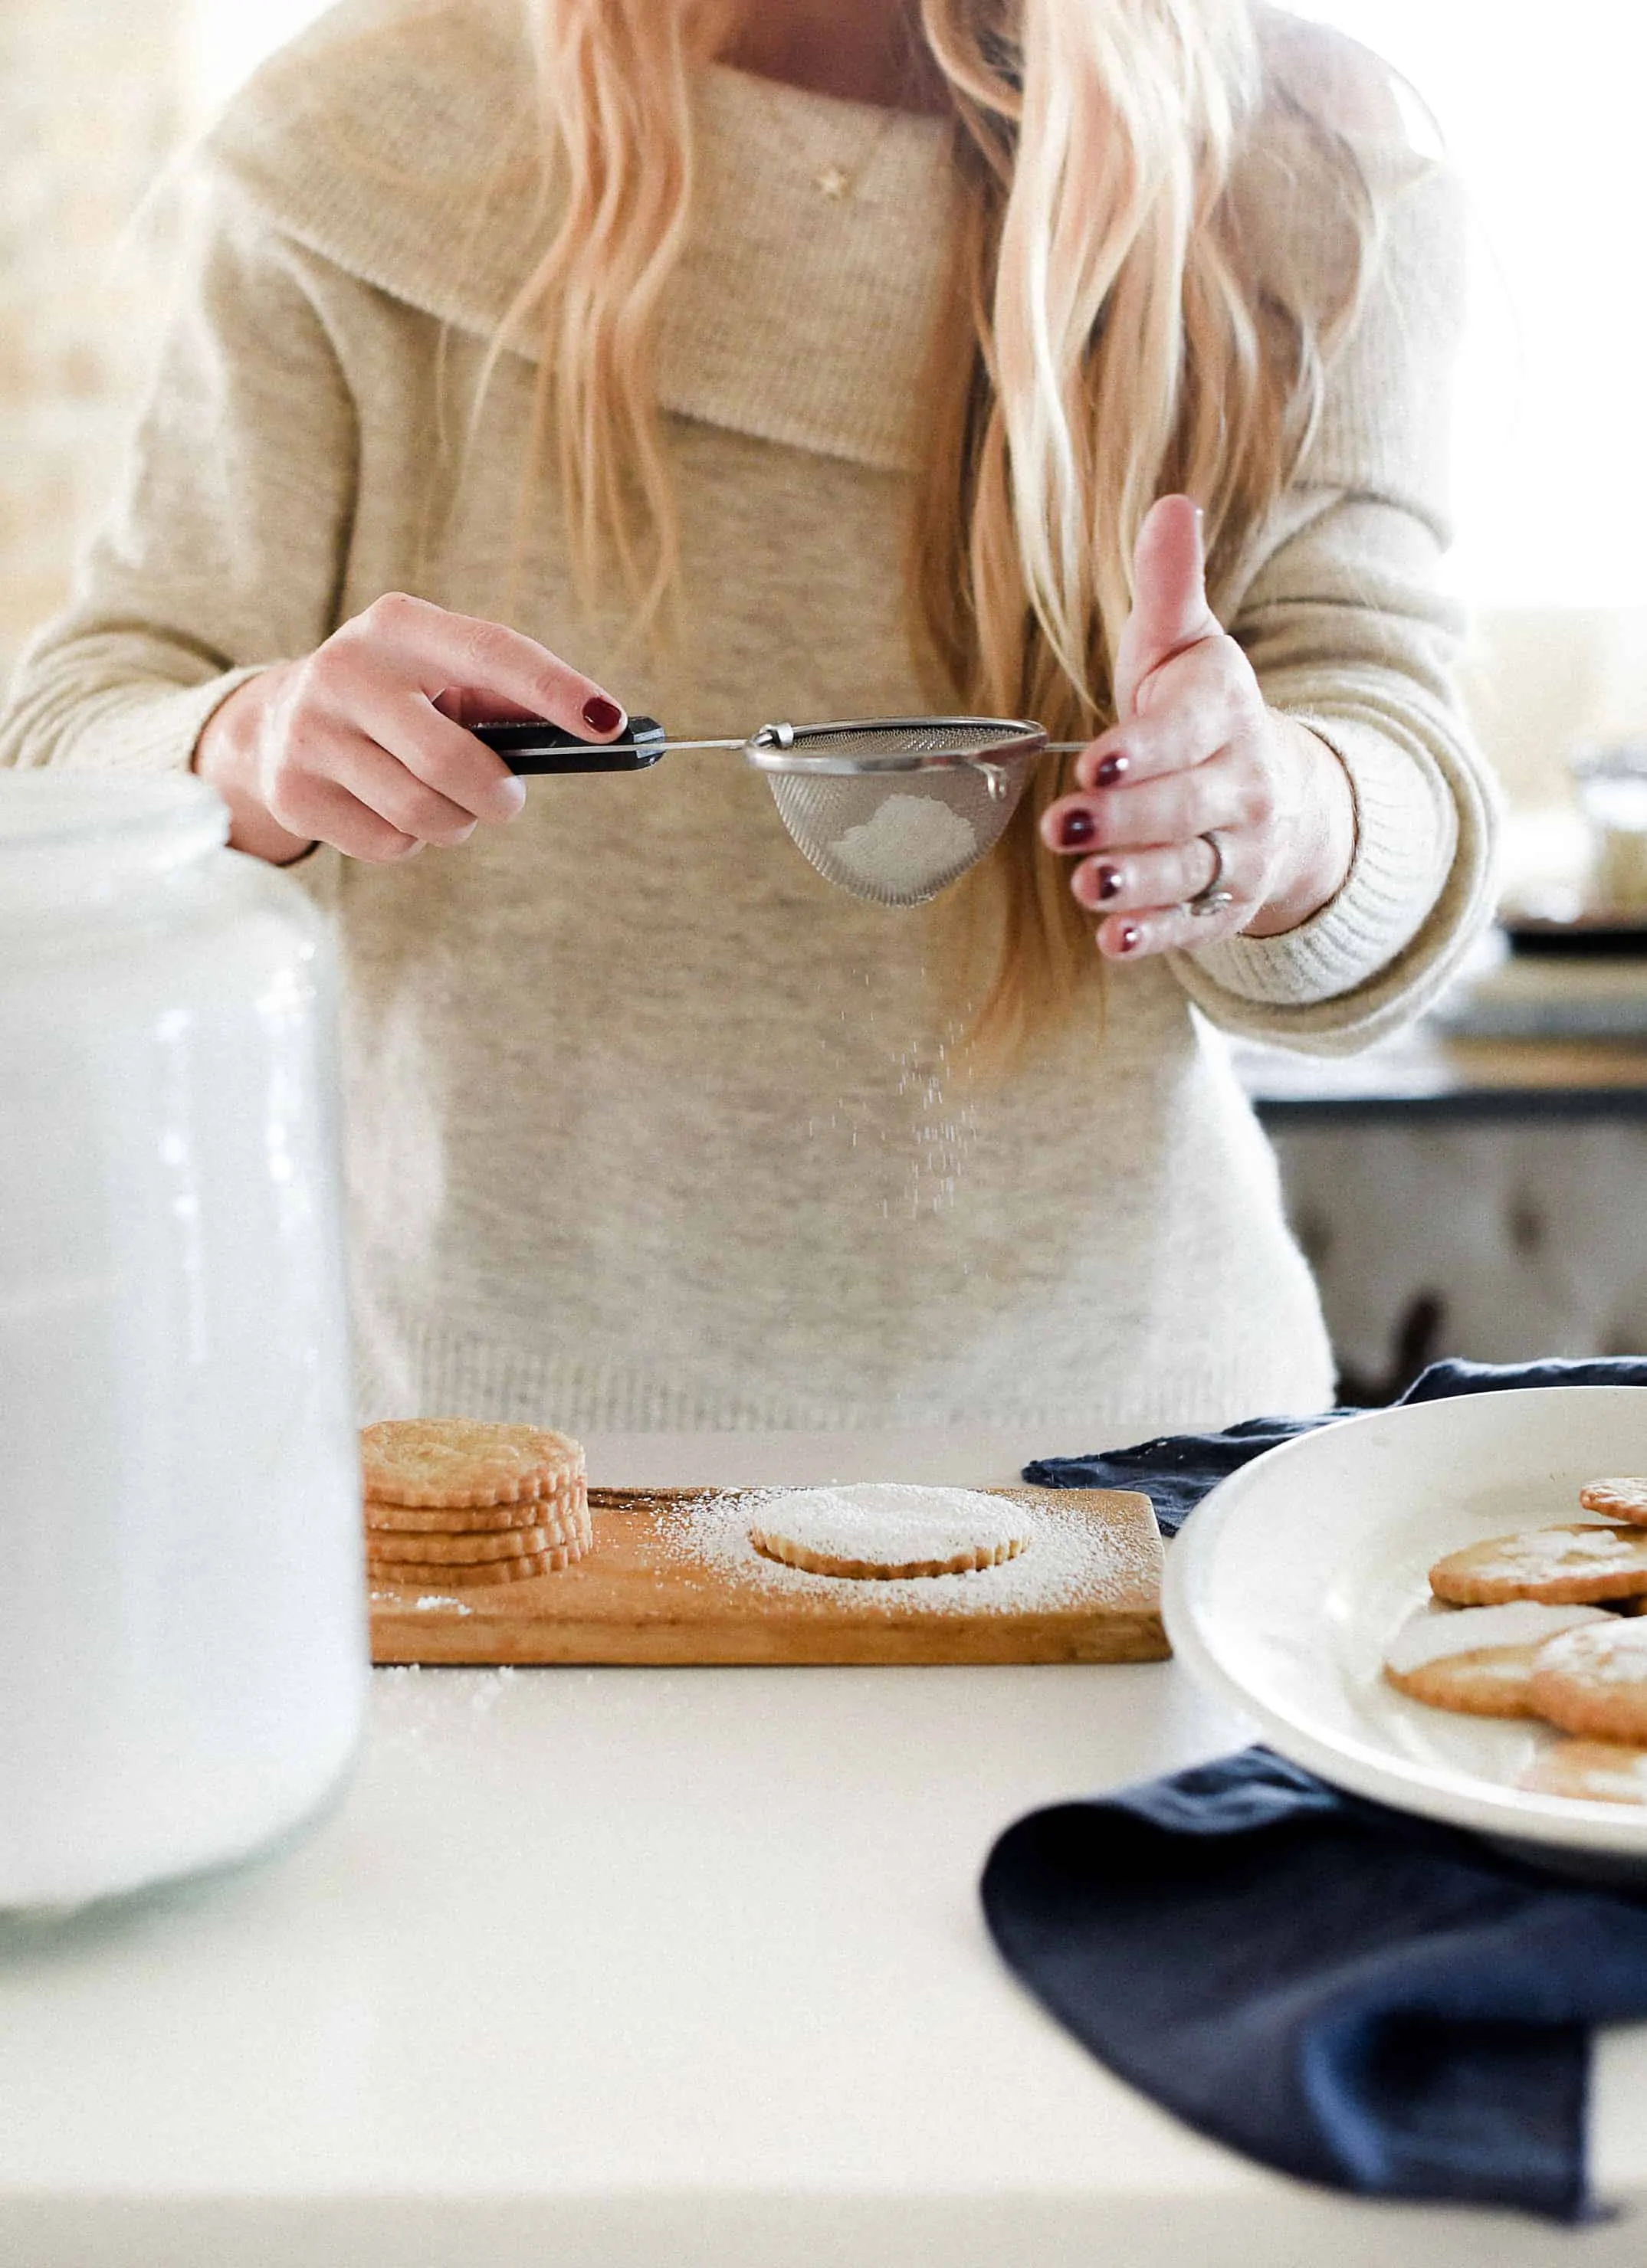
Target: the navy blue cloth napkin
pixel 1352 1995
pixel 1359 1998
pixel 1177 1471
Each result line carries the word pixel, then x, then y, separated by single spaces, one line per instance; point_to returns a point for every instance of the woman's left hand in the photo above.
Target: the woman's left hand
pixel 1197 751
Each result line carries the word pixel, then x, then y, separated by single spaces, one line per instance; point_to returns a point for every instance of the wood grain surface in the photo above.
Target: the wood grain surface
pixel 636 1599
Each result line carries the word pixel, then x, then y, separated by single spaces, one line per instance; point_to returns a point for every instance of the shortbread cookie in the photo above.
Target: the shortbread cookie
pixel 1616 1499
pixel 1589 1771
pixel 434 1576
pixel 568 1507
pixel 1479 1660
pixel 1562 1566
pixel 458 1461
pixel 880 1531
pixel 470 1551
pixel 1594 1682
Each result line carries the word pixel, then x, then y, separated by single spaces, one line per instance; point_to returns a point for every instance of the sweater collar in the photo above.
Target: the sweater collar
pixel 396 141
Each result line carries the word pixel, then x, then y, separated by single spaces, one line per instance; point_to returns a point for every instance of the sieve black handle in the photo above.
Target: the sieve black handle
pixel 531 746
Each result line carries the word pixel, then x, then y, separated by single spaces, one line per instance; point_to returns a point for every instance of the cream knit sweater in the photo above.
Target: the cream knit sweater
pixel 648 1126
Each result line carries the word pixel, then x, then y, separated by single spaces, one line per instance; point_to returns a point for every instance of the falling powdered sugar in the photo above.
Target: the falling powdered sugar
pixel 911 841
pixel 1068 1560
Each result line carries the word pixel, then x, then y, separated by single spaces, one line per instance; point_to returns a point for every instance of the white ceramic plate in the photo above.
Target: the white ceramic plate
pixel 1291 1579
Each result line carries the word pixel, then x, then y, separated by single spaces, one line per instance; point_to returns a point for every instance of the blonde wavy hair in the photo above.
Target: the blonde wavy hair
pixel 1112 338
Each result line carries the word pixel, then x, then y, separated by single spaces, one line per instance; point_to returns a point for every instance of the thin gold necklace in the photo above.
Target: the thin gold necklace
pixel 839 182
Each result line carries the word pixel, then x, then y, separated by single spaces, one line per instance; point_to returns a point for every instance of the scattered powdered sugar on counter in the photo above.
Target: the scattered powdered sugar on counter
pixel 1068 1560
pixel 910 839
pixel 428 1720
pixel 432 1602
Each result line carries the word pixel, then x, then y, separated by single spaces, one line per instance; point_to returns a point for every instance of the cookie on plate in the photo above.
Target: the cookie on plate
pixel 1593 1682
pixel 1562 1566
pixel 461 1463
pixel 1478 1659
pixel 1616 1499
pixel 1589 1771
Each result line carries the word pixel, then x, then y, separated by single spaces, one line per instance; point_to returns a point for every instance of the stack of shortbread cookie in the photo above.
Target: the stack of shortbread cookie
pixel 450 1501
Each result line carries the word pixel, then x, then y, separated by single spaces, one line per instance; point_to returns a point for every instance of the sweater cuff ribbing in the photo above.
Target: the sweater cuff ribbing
pixel 153 732
pixel 1404 838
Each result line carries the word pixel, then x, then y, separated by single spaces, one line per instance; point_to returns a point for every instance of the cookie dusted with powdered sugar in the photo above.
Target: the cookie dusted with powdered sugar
pixel 1589 1771
pixel 1623 1499
pixel 1479 1660
pixel 1562 1566
pixel 1593 1682
pixel 882 1531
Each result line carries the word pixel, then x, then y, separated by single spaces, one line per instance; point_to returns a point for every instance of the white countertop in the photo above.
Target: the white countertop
pixel 658 1969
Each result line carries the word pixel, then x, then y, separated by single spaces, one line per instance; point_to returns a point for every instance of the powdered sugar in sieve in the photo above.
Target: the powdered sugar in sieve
pixel 908 834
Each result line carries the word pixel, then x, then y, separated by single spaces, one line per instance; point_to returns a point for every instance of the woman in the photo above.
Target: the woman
pixel 807 359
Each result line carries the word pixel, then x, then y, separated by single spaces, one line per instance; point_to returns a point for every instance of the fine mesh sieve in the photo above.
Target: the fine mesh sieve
pixel 895 810
pixel 891 808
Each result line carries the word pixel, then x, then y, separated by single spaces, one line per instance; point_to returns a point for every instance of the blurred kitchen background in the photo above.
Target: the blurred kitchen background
pixel 1478 1190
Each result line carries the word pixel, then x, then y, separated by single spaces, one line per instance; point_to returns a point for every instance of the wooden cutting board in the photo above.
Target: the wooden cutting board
pixel 635 1598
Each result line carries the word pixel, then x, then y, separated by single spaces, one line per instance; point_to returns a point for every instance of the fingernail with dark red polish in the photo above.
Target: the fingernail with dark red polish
pixel 1111 881
pixel 1130 939
pixel 1077 827
pixel 602 715
pixel 1112 768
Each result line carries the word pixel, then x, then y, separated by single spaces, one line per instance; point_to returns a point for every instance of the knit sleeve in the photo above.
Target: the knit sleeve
pixel 1340 613
pixel 223 549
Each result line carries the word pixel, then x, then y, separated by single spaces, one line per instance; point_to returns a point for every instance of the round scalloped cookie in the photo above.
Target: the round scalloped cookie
pixel 567 1509
pixel 882 1531
pixel 428 1575
pixel 1573 1565
pixel 971 1562
pixel 1616 1499
pixel 1477 1660
pixel 1593 1682
pixel 457 1463
pixel 470 1551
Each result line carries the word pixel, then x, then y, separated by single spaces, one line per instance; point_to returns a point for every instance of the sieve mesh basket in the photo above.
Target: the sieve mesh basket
pixel 895 810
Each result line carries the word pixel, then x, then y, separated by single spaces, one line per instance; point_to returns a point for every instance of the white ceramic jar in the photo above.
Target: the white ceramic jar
pixel 182 1625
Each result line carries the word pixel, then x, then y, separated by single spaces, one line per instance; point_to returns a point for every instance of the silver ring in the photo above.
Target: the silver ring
pixel 1211 898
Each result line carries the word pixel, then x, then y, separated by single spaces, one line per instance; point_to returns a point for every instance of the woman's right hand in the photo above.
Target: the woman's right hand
pixel 354 745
